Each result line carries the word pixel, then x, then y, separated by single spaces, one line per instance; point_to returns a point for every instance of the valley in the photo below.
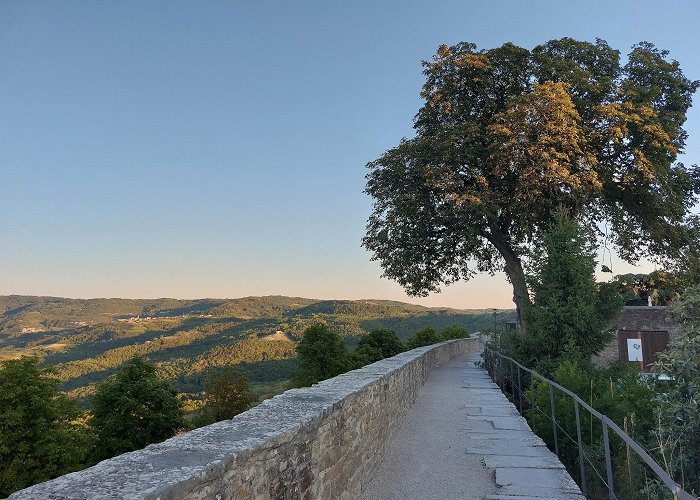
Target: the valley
pixel 86 340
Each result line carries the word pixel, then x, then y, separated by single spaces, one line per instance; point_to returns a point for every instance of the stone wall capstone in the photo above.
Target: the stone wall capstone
pixel 317 442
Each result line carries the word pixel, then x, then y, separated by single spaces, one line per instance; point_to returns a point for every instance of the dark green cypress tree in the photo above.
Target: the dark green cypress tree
pixel 570 312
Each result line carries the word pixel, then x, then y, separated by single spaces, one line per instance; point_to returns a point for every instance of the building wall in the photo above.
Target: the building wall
pixel 637 319
pixel 317 442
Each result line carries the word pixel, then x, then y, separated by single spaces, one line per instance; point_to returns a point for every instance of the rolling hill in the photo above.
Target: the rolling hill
pixel 86 340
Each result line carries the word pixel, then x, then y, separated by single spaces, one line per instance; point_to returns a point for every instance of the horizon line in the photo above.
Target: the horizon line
pixel 256 296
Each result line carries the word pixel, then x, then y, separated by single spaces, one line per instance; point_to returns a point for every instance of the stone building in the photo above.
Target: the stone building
pixel 640 333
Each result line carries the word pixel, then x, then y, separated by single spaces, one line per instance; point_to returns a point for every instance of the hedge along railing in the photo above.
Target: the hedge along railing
pixel 502 368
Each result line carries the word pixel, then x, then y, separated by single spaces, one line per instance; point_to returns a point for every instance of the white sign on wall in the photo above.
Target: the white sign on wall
pixel 634 350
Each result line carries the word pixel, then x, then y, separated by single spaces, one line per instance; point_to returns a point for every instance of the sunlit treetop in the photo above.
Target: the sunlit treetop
pixel 508 136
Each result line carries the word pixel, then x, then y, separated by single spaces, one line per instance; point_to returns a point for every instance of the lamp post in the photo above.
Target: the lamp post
pixel 495 335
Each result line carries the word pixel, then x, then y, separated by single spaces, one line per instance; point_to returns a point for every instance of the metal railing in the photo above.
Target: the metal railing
pixel 504 369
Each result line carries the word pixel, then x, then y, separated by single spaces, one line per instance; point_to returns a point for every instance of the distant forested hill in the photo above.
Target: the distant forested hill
pixel 88 339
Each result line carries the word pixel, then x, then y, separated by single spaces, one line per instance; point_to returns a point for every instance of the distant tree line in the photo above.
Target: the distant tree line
pixel 323 354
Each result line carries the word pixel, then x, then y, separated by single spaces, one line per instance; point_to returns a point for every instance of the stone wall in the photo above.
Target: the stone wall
pixel 317 442
pixel 637 319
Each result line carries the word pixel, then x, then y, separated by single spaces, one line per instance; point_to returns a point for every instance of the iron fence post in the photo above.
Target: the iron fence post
pixel 503 372
pixel 582 465
pixel 532 406
pixel 494 372
pixel 554 419
pixel 512 379
pixel 520 392
pixel 500 371
pixel 608 462
pixel 495 369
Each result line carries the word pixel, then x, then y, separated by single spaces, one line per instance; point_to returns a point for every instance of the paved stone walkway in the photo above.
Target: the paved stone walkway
pixel 463 439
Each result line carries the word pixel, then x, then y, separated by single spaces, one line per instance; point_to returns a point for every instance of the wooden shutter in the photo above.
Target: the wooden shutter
pixel 653 342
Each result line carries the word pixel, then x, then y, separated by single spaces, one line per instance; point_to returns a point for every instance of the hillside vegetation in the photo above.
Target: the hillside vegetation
pixel 86 340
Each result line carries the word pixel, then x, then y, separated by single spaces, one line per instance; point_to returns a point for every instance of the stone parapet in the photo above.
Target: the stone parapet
pixel 316 442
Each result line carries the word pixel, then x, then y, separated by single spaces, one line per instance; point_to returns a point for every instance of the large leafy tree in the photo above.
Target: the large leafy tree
pixel 322 355
pixel 507 136
pixel 133 409
pixel 41 434
pixel 662 287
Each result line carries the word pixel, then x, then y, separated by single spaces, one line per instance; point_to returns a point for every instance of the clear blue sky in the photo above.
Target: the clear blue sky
pixel 217 149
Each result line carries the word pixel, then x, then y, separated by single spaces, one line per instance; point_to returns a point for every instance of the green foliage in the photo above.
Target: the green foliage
pixel 678 435
pixel 362 309
pixel 383 339
pixel 228 393
pixel 40 435
pixel 664 288
pixel 424 336
pixel 473 321
pixel 376 345
pixel 617 392
pixel 508 136
pixel 322 355
pixel 453 332
pixel 133 409
pixel 570 312
pixel 366 354
pixel 263 372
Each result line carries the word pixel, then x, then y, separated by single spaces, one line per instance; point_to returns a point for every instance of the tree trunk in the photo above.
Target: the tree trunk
pixel 515 273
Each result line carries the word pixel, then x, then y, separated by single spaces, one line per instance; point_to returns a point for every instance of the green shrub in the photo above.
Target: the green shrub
pixel 617 392
pixel 678 434
pixel 453 332
pixel 424 336
pixel 228 393
pixel 376 345
pixel 322 355
pixel 132 409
